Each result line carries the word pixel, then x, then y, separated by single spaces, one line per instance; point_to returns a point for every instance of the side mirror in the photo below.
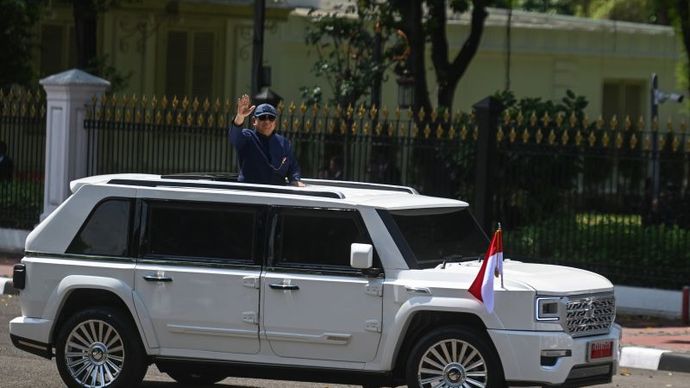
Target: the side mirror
pixel 361 256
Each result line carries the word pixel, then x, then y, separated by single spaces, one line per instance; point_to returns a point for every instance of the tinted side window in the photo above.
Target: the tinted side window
pixel 201 230
pixel 106 231
pixel 318 237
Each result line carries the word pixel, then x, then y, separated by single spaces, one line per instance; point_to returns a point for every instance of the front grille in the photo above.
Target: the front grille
pixel 590 314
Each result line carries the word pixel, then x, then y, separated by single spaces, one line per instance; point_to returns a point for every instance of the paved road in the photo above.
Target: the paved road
pixel 23 370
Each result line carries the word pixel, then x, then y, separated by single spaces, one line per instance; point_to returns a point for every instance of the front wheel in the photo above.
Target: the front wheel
pixel 454 357
pixel 99 347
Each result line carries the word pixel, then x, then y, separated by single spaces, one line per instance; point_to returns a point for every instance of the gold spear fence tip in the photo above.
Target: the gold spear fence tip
pixel 614 123
pixel 195 105
pixel 361 111
pixel 373 112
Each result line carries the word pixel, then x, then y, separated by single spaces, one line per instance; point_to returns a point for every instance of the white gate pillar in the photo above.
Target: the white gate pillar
pixel 67 96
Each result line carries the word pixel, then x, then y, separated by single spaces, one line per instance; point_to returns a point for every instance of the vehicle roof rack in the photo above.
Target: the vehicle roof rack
pixel 226 186
pixel 211 176
pixel 361 185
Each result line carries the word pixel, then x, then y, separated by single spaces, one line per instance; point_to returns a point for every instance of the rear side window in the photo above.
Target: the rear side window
pixel 106 231
pixel 315 237
pixel 199 230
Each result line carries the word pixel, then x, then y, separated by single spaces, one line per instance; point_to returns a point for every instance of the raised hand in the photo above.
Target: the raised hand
pixel 244 109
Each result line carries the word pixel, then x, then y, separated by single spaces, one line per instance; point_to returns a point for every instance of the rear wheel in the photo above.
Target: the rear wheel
pixel 99 347
pixel 454 357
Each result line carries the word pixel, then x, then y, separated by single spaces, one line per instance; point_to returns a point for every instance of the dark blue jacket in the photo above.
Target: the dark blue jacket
pixel 258 166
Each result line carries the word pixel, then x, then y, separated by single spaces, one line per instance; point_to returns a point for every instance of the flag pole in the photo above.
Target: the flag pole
pixel 499 229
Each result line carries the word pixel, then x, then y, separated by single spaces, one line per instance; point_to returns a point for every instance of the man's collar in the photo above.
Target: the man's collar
pixel 265 136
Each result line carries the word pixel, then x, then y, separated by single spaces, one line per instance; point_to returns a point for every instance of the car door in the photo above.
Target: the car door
pixel 315 306
pixel 198 276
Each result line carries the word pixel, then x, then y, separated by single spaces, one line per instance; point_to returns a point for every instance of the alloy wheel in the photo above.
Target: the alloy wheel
pixel 94 354
pixel 452 363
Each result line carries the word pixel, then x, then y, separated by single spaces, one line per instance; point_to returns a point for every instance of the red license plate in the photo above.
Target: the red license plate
pixel 600 350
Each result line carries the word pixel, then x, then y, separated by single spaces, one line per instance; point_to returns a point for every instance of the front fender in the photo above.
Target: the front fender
pixel 403 317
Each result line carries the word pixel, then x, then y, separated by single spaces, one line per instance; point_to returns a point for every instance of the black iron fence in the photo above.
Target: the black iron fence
pixel 162 136
pixel 584 194
pixel 22 150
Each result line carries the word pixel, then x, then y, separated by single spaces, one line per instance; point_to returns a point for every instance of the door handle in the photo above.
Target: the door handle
pixel 280 286
pixel 153 278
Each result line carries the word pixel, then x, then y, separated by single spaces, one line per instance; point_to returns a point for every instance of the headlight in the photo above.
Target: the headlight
pixel 548 308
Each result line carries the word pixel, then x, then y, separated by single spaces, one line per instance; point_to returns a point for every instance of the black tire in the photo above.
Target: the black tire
pixel 101 340
pixel 195 378
pixel 479 360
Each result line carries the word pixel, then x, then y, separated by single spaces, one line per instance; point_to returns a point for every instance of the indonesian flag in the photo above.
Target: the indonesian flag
pixel 483 285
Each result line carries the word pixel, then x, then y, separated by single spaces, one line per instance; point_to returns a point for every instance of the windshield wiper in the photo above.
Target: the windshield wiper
pixel 454 258
pixel 457 258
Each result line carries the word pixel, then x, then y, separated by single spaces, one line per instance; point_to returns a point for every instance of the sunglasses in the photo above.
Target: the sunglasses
pixel 266 117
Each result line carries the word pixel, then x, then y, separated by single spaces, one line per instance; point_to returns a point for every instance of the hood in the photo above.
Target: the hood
pixel 544 279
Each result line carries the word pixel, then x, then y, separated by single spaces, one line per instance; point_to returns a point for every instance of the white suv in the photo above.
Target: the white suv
pixel 335 282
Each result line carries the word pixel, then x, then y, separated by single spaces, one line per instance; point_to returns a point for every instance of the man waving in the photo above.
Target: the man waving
pixel 264 156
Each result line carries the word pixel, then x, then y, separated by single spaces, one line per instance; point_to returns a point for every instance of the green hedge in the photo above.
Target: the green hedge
pixel 617 246
pixel 21 203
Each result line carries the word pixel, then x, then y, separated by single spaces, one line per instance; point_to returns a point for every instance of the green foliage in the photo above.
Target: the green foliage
pixel 562 7
pixel 570 103
pixel 17 19
pixel 101 67
pixel 344 42
pixel 515 192
pixel 21 202
pixel 619 245
pixel 638 11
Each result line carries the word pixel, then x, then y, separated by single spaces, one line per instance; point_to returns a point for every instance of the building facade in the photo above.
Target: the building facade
pixel 204 48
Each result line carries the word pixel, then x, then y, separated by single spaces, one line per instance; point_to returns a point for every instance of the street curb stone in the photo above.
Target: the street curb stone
pixel 654 359
pixel 6 287
pixel 676 362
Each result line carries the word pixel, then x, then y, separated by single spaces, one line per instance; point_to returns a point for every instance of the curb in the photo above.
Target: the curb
pixel 6 287
pixel 654 359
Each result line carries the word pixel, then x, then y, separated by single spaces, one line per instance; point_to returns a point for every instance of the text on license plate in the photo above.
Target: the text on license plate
pixel 600 350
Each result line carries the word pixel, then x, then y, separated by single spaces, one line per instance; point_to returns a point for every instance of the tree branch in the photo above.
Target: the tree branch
pixel 439 41
pixel 469 48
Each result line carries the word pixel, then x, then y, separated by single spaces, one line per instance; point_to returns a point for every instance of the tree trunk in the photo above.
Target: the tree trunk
pixel 85 24
pixel 449 74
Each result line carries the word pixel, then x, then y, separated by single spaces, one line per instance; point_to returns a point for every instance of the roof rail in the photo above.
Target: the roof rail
pixel 227 186
pixel 361 185
pixel 210 176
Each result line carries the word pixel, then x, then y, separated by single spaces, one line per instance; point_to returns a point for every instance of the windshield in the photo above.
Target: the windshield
pixel 428 237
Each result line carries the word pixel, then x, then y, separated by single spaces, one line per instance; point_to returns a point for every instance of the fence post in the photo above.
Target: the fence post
pixel 487 113
pixel 67 96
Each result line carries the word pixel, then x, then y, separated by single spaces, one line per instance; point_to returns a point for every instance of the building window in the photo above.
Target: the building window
pixel 189 65
pixel 623 98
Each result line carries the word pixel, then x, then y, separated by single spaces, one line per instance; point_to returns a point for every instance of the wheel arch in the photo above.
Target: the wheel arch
pixel 77 293
pixel 421 322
